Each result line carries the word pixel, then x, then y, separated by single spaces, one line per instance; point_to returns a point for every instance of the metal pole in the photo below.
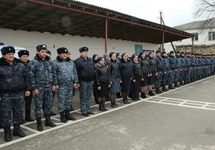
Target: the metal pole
pixel 163 42
pixel 192 50
pixel 106 34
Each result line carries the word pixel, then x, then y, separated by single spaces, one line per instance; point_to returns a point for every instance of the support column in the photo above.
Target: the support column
pixel 192 45
pixel 106 34
pixel 162 49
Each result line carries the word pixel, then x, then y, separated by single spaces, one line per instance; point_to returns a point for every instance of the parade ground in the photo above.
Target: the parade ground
pixel 180 119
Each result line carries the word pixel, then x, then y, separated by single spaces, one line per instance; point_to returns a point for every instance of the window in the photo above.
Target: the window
pixel 196 37
pixel 211 36
pixel 138 49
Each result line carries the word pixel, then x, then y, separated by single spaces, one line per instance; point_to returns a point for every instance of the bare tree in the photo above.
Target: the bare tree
pixel 206 9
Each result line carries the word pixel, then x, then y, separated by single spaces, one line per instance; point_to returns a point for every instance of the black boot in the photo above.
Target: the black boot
pixel 143 95
pixel 181 83
pixel 68 115
pixel 7 134
pixel 48 121
pixel 176 84
pixel 39 124
pixel 17 131
pixel 151 93
pixel 71 108
pixel 164 88
pixel 28 117
pixel 103 105
pixel 157 91
pixel 100 107
pixel 62 117
pixel 171 87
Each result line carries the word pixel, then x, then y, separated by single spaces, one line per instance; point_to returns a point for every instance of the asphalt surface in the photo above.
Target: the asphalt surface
pixel 181 119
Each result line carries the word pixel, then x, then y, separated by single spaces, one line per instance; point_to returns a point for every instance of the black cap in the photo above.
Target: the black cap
pixel 83 49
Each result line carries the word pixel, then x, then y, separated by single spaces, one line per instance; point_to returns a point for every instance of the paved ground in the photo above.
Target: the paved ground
pixel 181 119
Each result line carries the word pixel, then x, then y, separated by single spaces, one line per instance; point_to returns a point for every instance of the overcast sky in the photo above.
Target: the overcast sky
pixel 175 12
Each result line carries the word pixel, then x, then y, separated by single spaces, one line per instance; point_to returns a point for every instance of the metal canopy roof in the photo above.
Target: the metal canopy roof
pixel 68 17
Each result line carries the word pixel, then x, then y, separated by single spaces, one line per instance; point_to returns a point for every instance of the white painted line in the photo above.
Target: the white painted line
pixel 99 114
pixel 29 129
pixel 67 124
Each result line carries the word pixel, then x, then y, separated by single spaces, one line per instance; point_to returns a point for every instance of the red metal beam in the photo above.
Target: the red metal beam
pixel 162 42
pixel 104 16
pixel 106 34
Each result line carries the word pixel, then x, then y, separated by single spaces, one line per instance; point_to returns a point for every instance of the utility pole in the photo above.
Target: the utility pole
pixel 163 23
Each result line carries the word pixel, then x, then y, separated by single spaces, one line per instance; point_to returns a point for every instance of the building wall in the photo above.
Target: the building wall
pixel 202 39
pixel 29 40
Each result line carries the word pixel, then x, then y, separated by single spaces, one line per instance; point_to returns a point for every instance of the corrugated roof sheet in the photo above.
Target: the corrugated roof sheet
pixel 203 24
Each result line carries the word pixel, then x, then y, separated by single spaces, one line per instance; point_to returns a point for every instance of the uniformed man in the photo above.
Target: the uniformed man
pixel 85 69
pixel 48 53
pixel 179 68
pixel 166 71
pixel 173 66
pixel 188 68
pixel 66 79
pixel 183 67
pixel 14 85
pixel 160 68
pixel 43 81
pixel 23 56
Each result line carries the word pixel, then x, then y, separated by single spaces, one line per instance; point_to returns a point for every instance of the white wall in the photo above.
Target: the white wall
pixel 29 40
pixel 202 39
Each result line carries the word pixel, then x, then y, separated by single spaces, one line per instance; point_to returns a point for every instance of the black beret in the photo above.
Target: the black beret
pixel 7 49
pixel 177 52
pixel 163 53
pixel 171 52
pixel 41 47
pixel 23 52
pixel 83 49
pixel 182 52
pixel 62 50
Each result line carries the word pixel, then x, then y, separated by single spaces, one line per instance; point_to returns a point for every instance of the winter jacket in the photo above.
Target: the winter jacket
pixel 159 64
pixel 126 69
pixel 172 61
pixel 42 72
pixel 166 63
pixel 114 69
pixel 144 66
pixel 102 74
pixel 65 71
pixel 152 64
pixel 15 77
pixel 85 69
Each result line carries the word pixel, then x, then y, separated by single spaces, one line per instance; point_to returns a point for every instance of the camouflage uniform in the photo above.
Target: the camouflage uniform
pixel 42 78
pixel 14 81
pixel 66 76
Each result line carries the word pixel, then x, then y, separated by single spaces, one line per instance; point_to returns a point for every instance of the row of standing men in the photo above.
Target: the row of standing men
pixel 106 76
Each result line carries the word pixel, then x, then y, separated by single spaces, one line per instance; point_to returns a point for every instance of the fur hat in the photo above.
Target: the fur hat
pixel 62 50
pixel 41 47
pixel 7 49
pixel 23 52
